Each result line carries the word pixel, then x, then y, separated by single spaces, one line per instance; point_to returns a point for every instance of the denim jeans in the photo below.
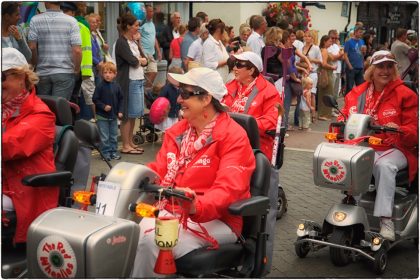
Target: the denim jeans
pixel 57 85
pixel 287 103
pixel 353 76
pixel 108 130
pixel 136 98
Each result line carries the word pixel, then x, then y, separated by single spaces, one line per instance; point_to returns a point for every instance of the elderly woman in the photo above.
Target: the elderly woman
pixel 28 128
pixel 384 97
pixel 130 59
pixel 244 32
pixel 214 54
pixel 11 35
pixel 206 132
pixel 251 94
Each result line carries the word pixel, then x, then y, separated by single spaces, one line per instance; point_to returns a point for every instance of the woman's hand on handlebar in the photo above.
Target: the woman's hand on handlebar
pixel 393 125
pixel 192 194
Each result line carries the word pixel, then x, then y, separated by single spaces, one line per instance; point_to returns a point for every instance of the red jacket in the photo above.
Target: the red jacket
pixel 27 146
pixel 263 109
pixel 399 105
pixel 220 173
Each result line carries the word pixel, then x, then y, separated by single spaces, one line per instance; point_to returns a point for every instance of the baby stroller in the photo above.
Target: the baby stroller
pixel 145 124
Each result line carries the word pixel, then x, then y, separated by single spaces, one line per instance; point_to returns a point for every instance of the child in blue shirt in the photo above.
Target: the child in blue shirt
pixel 108 103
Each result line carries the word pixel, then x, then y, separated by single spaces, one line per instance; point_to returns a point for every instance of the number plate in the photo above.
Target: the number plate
pixel 107 197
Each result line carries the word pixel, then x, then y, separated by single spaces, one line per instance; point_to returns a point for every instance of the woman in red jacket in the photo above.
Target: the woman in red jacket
pixel 28 128
pixel 208 155
pixel 390 103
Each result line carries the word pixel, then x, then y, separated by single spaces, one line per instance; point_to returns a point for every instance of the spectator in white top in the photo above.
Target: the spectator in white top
pixel 298 42
pixel 196 49
pixel 313 53
pixel 215 55
pixel 337 54
pixel 255 40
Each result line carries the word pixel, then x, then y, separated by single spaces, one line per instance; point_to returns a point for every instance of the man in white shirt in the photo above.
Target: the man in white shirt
pixel 256 39
pixel 195 51
pixel 337 55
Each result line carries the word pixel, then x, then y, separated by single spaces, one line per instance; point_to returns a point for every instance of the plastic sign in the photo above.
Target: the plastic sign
pixel 333 170
pixel 56 257
pixel 106 198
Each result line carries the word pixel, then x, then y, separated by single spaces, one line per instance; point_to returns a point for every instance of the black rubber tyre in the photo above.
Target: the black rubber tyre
pixel 381 261
pixel 152 137
pixel 302 249
pixel 138 139
pixel 338 256
pixel 281 203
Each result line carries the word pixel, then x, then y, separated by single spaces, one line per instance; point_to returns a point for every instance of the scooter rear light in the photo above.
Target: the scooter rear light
pixel 375 141
pixel 331 136
pixel 83 197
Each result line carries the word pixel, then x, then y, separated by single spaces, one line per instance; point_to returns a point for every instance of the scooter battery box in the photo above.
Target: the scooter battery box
pixel 70 243
pixel 343 167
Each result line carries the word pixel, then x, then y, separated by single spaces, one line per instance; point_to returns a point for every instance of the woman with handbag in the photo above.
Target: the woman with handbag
pixel 325 85
pixel 292 84
pixel 271 54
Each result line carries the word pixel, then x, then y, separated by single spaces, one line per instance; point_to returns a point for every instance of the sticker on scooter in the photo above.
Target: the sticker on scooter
pixel 333 170
pixel 56 257
pixel 107 197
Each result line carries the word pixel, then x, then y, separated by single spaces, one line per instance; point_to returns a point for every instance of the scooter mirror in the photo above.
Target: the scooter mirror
pixel 330 101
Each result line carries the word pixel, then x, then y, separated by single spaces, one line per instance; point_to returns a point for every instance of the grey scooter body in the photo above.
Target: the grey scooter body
pixel 348 168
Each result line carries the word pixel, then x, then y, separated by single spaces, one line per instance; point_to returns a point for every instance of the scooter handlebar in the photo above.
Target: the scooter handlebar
pixel 167 192
pixel 378 128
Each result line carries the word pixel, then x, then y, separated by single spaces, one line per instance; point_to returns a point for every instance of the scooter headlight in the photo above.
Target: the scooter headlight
pixel 339 216
pixel 376 241
pixel 301 226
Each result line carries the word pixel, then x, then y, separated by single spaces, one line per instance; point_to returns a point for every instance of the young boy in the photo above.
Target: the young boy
pixel 108 103
pixel 305 107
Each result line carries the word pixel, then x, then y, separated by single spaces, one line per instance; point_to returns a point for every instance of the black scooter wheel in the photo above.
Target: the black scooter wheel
pixel 338 256
pixel 281 203
pixel 302 249
pixel 381 261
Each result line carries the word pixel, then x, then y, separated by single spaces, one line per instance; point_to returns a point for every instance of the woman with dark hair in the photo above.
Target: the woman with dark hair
pixel 206 141
pixel 11 35
pixel 325 80
pixel 130 59
pixel 368 38
pixel 215 55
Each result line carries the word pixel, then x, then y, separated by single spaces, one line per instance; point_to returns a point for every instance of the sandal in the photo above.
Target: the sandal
pixel 324 119
pixel 132 152
pixel 138 148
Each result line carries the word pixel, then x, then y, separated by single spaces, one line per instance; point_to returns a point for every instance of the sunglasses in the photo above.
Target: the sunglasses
pixel 382 56
pixel 240 64
pixel 185 94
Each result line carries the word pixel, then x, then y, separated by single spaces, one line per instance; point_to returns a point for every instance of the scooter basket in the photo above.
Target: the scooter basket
pixel 70 243
pixel 343 167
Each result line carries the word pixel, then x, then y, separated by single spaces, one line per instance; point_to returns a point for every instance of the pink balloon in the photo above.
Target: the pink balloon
pixel 159 110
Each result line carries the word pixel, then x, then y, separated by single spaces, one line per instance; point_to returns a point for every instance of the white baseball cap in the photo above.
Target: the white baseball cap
pixel 251 57
pixel 203 77
pixel 12 58
pixel 382 56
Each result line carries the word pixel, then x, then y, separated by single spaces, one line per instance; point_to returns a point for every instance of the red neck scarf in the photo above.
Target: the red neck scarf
pixel 241 98
pixel 9 107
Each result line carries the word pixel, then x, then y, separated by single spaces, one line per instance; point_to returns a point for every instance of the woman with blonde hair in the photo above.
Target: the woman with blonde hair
pixel 272 63
pixel 28 132
pixel 390 103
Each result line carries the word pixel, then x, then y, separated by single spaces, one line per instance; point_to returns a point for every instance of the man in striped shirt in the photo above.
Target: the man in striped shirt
pixel 54 39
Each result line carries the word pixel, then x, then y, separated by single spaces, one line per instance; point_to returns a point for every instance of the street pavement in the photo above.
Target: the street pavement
pixel 305 201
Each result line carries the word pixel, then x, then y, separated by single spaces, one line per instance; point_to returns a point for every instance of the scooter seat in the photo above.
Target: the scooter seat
pixel 203 261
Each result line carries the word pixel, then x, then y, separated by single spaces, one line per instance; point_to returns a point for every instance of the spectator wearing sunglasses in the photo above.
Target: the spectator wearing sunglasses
pixel 28 131
pixel 211 154
pixel 390 103
pixel 250 93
